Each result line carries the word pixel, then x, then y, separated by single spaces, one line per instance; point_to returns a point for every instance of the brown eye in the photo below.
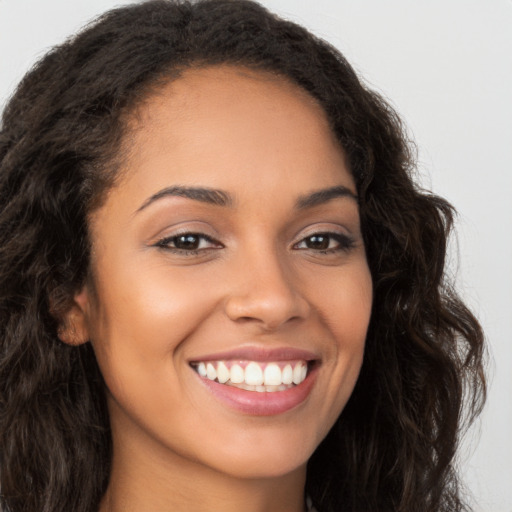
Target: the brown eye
pixel 188 243
pixel 318 242
pixel 326 242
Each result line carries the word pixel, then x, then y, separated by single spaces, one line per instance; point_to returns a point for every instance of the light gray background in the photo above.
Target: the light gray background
pixel 447 67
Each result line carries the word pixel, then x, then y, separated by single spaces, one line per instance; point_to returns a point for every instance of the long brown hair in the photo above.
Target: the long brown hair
pixel 392 448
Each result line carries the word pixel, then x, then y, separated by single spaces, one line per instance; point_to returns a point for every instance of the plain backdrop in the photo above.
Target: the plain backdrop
pixel 446 65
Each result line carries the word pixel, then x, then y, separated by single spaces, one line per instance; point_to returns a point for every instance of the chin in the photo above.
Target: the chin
pixel 264 456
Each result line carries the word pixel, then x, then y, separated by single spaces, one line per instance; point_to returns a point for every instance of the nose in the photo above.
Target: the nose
pixel 264 292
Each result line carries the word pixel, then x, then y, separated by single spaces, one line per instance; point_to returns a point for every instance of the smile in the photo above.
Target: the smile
pixel 259 381
pixel 254 375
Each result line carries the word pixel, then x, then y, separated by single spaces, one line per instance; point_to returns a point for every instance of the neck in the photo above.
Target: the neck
pixel 144 478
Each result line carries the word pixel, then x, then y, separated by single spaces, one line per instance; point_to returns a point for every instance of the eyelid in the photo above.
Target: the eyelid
pixel 343 237
pixel 189 226
pixel 323 227
pixel 345 242
pixel 164 241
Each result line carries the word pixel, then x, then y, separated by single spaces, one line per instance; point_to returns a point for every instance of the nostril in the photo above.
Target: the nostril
pixel 266 294
pixel 270 315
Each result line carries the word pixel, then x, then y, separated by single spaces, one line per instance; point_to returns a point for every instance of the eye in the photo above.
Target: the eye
pixel 188 243
pixel 326 242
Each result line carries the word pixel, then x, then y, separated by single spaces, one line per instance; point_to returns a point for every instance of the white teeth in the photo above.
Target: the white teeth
pixel 259 377
pixel 211 373
pixel 223 373
pixel 287 374
pixel 201 369
pixel 297 373
pixel 272 375
pixel 237 374
pixel 253 374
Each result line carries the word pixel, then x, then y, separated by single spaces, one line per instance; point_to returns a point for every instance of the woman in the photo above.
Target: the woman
pixel 220 288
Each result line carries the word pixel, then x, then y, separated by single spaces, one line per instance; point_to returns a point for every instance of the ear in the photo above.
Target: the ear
pixel 74 329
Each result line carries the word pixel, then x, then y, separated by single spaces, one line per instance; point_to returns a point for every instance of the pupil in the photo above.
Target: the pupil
pixel 318 242
pixel 187 242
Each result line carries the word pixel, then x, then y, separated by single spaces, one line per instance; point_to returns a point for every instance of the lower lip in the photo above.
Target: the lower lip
pixel 264 403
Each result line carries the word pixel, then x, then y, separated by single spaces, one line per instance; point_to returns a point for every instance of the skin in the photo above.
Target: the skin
pixel 261 282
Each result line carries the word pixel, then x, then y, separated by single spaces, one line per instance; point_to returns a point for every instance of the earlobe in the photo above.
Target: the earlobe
pixel 73 329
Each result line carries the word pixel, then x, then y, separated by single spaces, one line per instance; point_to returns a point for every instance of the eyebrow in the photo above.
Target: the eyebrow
pixel 221 198
pixel 323 196
pixel 204 195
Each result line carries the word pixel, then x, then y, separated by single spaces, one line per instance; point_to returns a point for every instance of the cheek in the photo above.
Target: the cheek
pixel 143 316
pixel 141 329
pixel 345 309
pixel 345 304
pixel 163 303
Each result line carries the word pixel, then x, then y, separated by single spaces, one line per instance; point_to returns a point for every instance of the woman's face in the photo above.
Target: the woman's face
pixel 230 251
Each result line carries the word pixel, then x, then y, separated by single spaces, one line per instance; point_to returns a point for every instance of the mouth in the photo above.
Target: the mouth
pixel 259 382
pixel 262 377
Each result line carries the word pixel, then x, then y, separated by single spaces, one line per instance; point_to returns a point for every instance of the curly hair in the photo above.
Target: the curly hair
pixel 421 383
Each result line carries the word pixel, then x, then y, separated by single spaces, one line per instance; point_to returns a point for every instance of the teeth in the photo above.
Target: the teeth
pixel 272 375
pixel 287 374
pixel 223 374
pixel 254 376
pixel 237 374
pixel 201 369
pixel 298 374
pixel 211 372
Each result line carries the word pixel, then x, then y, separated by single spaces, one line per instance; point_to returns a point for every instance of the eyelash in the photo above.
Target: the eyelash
pixel 165 243
pixel 344 243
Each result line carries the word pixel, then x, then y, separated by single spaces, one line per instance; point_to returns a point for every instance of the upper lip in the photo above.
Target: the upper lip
pixel 260 354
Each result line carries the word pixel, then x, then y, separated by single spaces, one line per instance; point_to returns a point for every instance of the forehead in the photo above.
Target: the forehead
pixel 213 124
pixel 223 87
